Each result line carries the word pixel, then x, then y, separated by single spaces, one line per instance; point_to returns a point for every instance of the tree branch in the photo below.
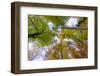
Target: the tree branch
pixel 34 35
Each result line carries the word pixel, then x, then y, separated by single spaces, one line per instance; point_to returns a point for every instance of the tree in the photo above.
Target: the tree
pixel 44 29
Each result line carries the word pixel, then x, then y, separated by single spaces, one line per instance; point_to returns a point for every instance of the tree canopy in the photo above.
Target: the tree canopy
pixel 44 29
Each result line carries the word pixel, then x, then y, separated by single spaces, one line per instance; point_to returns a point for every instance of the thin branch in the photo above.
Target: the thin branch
pixel 75 28
pixel 34 35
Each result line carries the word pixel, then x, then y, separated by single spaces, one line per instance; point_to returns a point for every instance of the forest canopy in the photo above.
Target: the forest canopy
pixel 64 37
